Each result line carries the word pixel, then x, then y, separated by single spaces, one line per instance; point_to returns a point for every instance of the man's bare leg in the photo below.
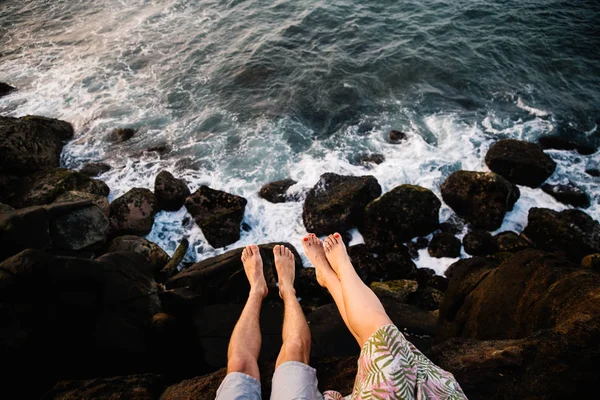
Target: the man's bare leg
pixel 244 346
pixel 326 276
pixel 364 311
pixel 295 332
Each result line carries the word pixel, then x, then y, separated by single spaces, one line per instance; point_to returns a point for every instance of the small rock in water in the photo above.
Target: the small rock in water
pixel 593 172
pixel 521 163
pixel 275 192
pixel 369 158
pixel 170 192
pixel 94 169
pixel 396 136
pixel 422 243
pixel 511 242
pixel 121 135
pixel 6 89
pixel 480 243
pixel 568 194
pixel 444 245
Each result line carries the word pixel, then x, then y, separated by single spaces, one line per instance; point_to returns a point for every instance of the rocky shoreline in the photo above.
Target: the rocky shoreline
pixel 92 309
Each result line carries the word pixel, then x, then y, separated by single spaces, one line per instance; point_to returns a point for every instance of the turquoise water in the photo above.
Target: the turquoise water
pixel 246 92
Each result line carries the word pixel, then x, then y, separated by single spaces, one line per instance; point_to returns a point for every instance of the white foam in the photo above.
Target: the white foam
pixel 534 111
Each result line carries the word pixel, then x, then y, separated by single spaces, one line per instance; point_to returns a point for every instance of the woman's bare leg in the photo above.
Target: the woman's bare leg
pixel 364 311
pixel 326 276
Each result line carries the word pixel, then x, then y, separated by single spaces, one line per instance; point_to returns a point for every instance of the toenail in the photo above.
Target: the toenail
pixel 337 235
pixel 306 239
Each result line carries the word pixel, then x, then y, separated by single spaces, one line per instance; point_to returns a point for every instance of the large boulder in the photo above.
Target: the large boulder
pixel 44 187
pixel 79 229
pixel 92 315
pixel 170 192
pixel 399 215
pixel 31 144
pixel 392 265
pixel 74 196
pixel 276 192
pixel 571 233
pixel 520 162
pixel 481 198
pixel 568 194
pixel 337 203
pixel 218 214
pixel 444 245
pixel 549 309
pixel 133 213
pixel 157 258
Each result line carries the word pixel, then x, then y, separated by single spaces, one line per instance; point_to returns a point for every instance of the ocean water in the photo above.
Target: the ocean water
pixel 245 92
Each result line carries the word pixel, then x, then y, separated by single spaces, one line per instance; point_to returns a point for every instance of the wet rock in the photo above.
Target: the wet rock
pixel 593 172
pixel 369 159
pixel 31 144
pixel 157 258
pixel 397 290
pixel 218 214
pixel 568 194
pixel 312 294
pixel 44 187
pixel 6 89
pixel 121 135
pixel 511 242
pixel 72 309
pixel 520 162
pixel 559 143
pixel 480 243
pixel 396 136
pixel 426 298
pixel 422 243
pixel 4 208
pixel 453 225
pixel 482 198
pixel 424 275
pixel 534 297
pixel 275 192
pixel 413 250
pixel 79 229
pixel 591 261
pixel 571 233
pixel 73 196
pixel 95 169
pixel 405 212
pixel 170 192
pixel 389 266
pixel 444 245
pixel 133 387
pixel 133 213
pixel 337 203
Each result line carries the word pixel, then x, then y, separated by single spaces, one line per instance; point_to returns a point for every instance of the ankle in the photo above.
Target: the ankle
pixel 287 291
pixel 259 291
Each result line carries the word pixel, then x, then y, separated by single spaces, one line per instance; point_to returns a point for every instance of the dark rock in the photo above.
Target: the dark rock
pixel 511 242
pixel 312 295
pixel 571 233
pixel 329 334
pixel 397 290
pixel 73 196
pixel 79 229
pixel 171 266
pixel 520 162
pixel 4 208
pixel 5 89
pixel 31 144
pixel 396 136
pixel 437 282
pixel 92 315
pixel 369 158
pixel 444 245
pixel 121 135
pixel 222 278
pixel 44 187
pixel 133 213
pixel 95 169
pixel 591 261
pixel 481 198
pixel 559 143
pixel 133 387
pixel 337 203
pixel 405 212
pixel 480 243
pixel 422 243
pixel 218 214
pixel 453 225
pixel 545 305
pixel 170 192
pixel 160 149
pixel 389 266
pixel 199 388
pixel 424 275
pixel 568 194
pixel 426 299
pixel 156 257
pixel 413 251
pixel 593 172
pixel 275 192
pixel 8 186
pixel 27 228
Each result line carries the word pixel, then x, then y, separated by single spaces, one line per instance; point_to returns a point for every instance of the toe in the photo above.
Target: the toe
pixel 248 251
pixel 307 240
pixel 337 237
pixel 254 249
pixel 276 250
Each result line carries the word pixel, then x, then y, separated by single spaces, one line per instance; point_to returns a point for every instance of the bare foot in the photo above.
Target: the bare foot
pixel 286 269
pixel 253 266
pixel 335 251
pixel 313 248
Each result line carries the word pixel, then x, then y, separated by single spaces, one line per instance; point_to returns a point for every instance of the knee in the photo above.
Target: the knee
pixel 297 349
pixel 244 365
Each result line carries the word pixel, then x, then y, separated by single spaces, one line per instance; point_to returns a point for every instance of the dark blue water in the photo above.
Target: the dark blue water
pixel 245 92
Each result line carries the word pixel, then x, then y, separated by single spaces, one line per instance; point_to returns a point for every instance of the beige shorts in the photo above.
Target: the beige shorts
pixel 291 381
